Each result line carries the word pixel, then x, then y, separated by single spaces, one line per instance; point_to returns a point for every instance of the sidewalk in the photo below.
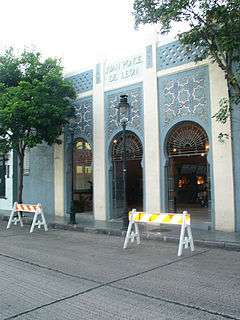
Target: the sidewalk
pixel 169 233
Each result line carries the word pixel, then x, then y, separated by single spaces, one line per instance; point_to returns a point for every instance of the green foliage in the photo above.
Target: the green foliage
pixel 222 137
pixel 224 111
pixel 35 100
pixel 214 29
pixel 35 103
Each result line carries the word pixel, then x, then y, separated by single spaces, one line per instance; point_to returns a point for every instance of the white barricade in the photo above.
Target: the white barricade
pixel 38 218
pixel 160 218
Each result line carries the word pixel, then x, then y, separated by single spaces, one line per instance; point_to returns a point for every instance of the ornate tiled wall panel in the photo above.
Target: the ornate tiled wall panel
pixel 135 99
pixel 83 128
pixel 173 55
pixel 82 82
pixel 83 123
pixel 184 95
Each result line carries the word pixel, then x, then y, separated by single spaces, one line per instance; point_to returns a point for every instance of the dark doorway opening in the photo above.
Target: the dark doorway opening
pixel 134 187
pixel 191 185
pixel 82 177
pixel 188 171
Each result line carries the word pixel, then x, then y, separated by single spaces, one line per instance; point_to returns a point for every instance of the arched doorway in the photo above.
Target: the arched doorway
pixel 82 177
pixel 134 154
pixel 188 173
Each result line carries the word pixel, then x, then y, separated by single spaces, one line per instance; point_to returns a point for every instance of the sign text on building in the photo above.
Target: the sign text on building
pixel 123 70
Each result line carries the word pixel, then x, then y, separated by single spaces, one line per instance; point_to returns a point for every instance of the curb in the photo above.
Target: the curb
pixel 231 246
pixel 226 245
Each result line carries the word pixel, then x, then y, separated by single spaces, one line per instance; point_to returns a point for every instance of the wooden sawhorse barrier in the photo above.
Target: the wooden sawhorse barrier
pixel 160 218
pixel 32 208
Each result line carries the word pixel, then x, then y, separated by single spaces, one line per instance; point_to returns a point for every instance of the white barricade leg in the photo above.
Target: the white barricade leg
pixel 34 223
pixel 128 234
pixel 185 240
pixel 137 233
pixel 190 238
pixel 39 219
pixel 182 233
pixel 181 240
pixel 19 218
pixel 44 223
pixel 13 219
pixel 10 220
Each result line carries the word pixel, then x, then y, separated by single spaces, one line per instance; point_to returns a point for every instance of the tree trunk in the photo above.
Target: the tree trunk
pixel 20 177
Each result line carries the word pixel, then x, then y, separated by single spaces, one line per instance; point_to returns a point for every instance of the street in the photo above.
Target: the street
pixel 63 274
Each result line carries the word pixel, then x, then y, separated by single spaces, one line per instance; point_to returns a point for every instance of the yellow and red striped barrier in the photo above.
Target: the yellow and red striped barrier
pixel 164 218
pixel 184 220
pixel 38 218
pixel 26 207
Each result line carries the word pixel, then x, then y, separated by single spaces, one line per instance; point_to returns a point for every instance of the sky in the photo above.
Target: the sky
pixel 81 33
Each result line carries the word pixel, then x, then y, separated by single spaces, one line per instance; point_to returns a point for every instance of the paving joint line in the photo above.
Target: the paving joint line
pixel 177 303
pixel 160 266
pixel 52 302
pixel 109 284
pixel 95 281
pixel 48 268
pixel 106 284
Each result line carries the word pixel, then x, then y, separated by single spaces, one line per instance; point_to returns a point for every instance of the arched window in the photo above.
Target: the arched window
pixel 187 139
pixel 134 149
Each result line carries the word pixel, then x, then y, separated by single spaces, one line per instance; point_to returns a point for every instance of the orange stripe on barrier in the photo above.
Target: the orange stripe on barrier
pixel 26 207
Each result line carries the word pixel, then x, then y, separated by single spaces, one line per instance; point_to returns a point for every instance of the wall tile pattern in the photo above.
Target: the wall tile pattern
pixel 135 99
pixel 174 54
pixel 82 82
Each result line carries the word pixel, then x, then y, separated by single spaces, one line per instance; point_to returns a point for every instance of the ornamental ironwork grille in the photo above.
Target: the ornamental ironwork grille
pixel 187 139
pixel 82 154
pixel 134 150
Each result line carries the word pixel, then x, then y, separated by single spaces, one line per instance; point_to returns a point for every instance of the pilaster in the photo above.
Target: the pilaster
pixel 59 178
pixel 151 131
pixel 222 156
pixel 99 156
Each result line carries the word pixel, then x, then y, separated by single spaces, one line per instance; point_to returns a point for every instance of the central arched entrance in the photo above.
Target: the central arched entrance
pixel 134 154
pixel 188 173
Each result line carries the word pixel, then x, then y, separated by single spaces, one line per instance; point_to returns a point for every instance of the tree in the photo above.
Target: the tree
pixel 214 29
pixel 35 104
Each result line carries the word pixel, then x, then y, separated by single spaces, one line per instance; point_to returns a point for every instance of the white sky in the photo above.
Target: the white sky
pixel 78 31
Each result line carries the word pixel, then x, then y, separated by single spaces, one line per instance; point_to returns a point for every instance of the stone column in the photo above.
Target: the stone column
pixel 99 162
pixel 222 156
pixel 151 131
pixel 59 178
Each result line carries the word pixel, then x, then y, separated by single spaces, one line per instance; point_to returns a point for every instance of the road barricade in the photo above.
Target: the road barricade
pixel 36 209
pixel 136 218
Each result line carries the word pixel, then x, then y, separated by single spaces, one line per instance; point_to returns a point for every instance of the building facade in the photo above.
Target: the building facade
pixel 174 157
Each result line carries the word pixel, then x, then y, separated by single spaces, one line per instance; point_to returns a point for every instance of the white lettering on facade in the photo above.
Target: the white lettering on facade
pixel 123 70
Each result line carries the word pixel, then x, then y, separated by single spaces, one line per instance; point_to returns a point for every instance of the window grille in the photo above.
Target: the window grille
pixel 187 139
pixel 134 150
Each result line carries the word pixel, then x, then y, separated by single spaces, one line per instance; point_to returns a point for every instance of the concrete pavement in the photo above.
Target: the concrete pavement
pixel 62 274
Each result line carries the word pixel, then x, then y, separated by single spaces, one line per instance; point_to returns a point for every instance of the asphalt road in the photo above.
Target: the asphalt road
pixel 72 275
